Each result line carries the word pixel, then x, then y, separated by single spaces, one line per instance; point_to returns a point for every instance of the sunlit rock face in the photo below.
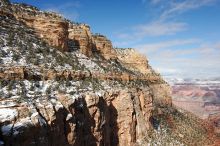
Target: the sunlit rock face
pixel 49 26
pixel 134 60
pixel 101 102
pixel 61 85
pixel 104 47
pixel 80 37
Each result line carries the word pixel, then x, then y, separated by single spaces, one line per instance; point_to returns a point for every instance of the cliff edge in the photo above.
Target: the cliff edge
pixel 62 85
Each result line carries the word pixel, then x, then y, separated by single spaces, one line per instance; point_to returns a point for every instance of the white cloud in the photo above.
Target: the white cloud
pixel 201 61
pixel 178 57
pixel 154 47
pixel 160 28
pixel 175 8
pixel 164 24
pixel 153 29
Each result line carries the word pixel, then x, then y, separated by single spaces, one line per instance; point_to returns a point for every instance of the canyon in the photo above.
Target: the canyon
pixel 198 96
pixel 62 85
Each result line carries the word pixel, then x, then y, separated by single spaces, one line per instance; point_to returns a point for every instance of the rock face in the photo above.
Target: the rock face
pixel 104 47
pixel 25 73
pixel 60 33
pixel 80 37
pixel 161 94
pixel 48 26
pixel 64 104
pixel 133 60
pixel 114 118
pixel 87 94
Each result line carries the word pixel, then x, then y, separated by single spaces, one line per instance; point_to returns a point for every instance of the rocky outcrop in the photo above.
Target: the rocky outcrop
pixel 25 73
pixel 97 100
pixel 162 94
pixel 48 26
pixel 96 96
pixel 113 117
pixel 80 37
pixel 14 73
pixel 60 33
pixel 104 47
pixel 117 117
pixel 133 60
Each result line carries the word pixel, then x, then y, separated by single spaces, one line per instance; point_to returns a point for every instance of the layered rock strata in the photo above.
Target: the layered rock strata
pixel 25 73
pixel 48 26
pixel 43 104
pixel 80 37
pixel 61 33
pixel 117 117
pixel 104 47
pixel 133 60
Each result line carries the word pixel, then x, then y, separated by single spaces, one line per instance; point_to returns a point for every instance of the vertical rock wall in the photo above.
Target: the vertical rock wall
pixel 114 118
pixel 104 47
pixel 80 37
pixel 48 26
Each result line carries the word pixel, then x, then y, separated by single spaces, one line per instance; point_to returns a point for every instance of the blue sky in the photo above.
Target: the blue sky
pixel 181 38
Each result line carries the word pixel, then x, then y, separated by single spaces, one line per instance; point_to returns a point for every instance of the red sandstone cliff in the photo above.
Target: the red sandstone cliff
pixel 71 96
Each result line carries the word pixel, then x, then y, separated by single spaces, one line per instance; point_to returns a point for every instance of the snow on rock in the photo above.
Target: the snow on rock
pixel 53 101
pixel 7 104
pixel 34 118
pixel 8 114
pixel 34 115
pixel 37 119
pixel 88 63
pixel 58 106
pixel 100 93
pixel 69 116
pixel 66 66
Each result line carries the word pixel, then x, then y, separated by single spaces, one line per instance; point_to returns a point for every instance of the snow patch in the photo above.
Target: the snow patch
pixel 8 114
pixel 58 106
pixel 69 116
